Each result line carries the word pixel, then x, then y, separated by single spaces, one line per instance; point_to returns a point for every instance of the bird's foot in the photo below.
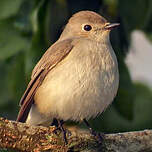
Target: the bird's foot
pixel 97 135
pixel 64 131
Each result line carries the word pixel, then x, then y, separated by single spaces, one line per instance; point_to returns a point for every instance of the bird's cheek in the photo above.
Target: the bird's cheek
pixel 105 35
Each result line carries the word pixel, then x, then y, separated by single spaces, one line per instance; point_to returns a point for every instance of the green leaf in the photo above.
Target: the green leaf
pixel 11 41
pixel 142 107
pixel 55 25
pixel 124 102
pixel 4 97
pixel 148 29
pixel 12 80
pixel 9 8
pixel 112 7
pixel 38 43
pixel 16 68
pixel 135 13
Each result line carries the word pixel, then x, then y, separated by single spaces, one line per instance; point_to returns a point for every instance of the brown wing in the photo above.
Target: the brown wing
pixel 49 60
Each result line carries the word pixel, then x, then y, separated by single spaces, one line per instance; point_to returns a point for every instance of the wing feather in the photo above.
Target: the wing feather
pixel 49 60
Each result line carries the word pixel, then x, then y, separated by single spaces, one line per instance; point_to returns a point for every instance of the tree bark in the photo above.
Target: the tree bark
pixel 22 137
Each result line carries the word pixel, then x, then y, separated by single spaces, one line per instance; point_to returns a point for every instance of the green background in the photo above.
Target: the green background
pixel 28 28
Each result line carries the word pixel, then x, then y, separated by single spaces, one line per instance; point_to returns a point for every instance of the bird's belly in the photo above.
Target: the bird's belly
pixel 74 91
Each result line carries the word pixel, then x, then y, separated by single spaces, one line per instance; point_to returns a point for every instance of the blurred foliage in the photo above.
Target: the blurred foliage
pixel 28 28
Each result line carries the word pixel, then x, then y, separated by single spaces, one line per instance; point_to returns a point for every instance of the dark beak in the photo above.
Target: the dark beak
pixel 111 26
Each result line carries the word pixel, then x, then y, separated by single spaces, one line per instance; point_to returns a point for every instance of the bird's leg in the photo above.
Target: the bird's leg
pixel 94 133
pixel 60 125
pixel 56 124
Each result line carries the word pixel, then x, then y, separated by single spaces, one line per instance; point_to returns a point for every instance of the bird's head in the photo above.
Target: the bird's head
pixel 88 24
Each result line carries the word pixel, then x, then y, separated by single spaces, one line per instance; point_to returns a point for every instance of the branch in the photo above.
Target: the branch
pixel 22 137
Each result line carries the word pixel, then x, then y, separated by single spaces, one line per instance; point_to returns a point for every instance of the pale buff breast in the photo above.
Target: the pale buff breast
pixel 82 85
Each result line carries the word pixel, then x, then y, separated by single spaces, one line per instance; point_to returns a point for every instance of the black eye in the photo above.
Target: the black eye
pixel 87 27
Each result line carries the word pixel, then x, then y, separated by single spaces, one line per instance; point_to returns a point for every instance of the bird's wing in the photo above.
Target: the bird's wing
pixel 49 60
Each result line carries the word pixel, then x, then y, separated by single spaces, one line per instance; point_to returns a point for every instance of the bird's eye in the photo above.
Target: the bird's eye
pixel 87 27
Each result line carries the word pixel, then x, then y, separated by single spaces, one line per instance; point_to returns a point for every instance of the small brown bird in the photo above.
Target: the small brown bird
pixel 77 77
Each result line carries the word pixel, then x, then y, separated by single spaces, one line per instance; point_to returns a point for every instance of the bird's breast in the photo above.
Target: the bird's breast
pixel 81 85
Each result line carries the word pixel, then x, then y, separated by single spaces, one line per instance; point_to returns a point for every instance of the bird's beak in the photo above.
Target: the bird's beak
pixel 110 26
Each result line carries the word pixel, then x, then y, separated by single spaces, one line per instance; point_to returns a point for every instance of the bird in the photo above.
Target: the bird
pixel 77 78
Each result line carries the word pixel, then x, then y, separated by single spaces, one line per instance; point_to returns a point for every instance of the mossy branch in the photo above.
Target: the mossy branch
pixel 22 137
